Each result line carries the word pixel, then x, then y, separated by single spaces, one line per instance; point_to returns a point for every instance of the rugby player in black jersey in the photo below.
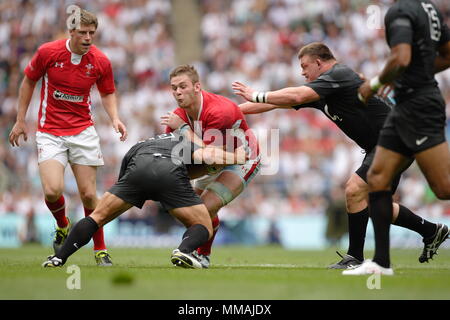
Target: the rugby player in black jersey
pixel 158 169
pixel 333 88
pixel 419 41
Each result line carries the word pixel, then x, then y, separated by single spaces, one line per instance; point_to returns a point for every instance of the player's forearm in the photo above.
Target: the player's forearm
pixel 109 102
pixel 25 94
pixel 287 96
pixel 217 156
pixel 397 63
pixel 284 98
pixel 255 108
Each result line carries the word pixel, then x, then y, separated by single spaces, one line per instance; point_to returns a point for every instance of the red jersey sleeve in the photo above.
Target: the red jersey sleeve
pixel 37 66
pixel 179 112
pixel 105 82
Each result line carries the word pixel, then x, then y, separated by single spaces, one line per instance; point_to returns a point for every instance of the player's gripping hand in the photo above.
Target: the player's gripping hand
pixel 120 127
pixel 172 120
pixel 242 90
pixel 365 92
pixel 19 129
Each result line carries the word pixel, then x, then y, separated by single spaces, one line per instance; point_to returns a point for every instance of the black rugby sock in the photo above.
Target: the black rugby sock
pixel 357 225
pixel 79 236
pixel 407 219
pixel 380 208
pixel 193 238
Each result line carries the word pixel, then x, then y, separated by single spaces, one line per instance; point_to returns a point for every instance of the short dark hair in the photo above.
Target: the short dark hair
pixel 316 49
pixel 187 69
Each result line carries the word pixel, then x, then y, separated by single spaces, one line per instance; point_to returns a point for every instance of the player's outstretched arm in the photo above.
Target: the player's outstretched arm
pixel 442 61
pixel 255 108
pixel 284 97
pixel 110 104
pixel 25 93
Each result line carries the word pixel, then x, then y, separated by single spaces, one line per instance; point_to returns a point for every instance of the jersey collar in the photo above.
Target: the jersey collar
pixel 74 57
pixel 198 125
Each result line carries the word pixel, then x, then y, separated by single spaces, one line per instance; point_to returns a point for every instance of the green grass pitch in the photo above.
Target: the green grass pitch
pixel 238 273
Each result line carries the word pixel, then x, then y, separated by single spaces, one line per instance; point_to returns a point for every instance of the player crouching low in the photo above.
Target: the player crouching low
pixel 158 169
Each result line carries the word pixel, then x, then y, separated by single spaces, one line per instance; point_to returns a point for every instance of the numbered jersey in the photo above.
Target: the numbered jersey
pixel 420 24
pixel 222 123
pixel 67 81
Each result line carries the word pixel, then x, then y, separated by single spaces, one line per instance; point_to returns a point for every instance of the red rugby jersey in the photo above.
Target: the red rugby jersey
pixel 68 78
pixel 221 117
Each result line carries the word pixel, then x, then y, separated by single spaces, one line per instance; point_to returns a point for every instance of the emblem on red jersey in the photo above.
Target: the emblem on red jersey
pixel 89 67
pixel 60 64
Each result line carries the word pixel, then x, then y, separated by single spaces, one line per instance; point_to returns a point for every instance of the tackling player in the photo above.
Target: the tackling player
pixel 69 68
pixel 157 169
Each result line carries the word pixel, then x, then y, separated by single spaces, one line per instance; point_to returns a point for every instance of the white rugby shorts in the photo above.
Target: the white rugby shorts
pixel 83 148
pixel 245 171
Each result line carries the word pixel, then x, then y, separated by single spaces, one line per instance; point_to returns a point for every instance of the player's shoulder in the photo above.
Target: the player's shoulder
pixel 53 46
pixel 216 101
pixel 403 8
pixel 338 72
pixel 98 54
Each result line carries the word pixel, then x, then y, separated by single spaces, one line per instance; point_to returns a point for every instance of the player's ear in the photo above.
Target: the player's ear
pixel 197 87
pixel 319 63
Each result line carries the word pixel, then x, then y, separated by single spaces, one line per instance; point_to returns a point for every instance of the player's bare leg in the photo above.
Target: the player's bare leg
pixel 86 177
pixel 199 230
pixel 52 179
pixel 356 194
pixel 219 193
pixel 108 208
pixel 385 166
pixel 435 165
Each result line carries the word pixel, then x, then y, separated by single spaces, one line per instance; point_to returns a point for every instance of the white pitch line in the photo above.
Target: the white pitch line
pixel 258 265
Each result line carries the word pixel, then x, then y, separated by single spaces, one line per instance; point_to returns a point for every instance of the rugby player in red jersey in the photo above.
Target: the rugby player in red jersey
pixel 69 68
pixel 218 121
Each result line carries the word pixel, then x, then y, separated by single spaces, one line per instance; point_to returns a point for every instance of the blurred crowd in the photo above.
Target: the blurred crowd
pixel 252 41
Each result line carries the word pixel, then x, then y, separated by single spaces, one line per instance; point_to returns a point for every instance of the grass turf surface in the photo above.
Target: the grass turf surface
pixel 250 273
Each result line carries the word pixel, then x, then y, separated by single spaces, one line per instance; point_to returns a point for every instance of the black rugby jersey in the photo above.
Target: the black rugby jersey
pixel 420 24
pixel 168 145
pixel 338 90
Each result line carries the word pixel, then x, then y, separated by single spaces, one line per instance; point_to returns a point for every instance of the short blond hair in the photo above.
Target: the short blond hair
pixel 87 18
pixel 187 69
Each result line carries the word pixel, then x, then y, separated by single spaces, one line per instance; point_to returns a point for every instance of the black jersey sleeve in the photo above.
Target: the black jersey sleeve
pixel 316 105
pixel 324 85
pixel 399 26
